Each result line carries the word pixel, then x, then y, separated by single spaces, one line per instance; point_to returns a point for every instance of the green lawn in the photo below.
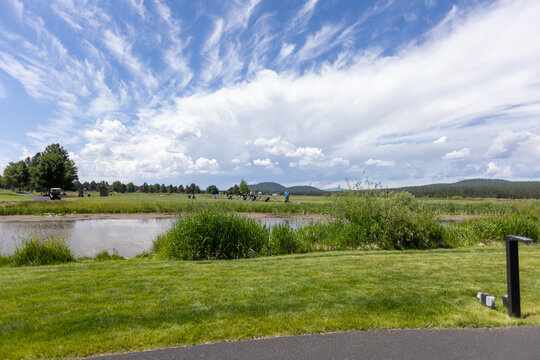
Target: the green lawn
pixel 90 308
pixel 8 196
pixel 173 203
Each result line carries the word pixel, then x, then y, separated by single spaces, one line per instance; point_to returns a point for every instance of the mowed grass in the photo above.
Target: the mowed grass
pixel 159 203
pixel 90 308
pixel 11 197
pixel 178 203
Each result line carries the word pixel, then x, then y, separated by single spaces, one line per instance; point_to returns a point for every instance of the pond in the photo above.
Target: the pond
pixel 126 235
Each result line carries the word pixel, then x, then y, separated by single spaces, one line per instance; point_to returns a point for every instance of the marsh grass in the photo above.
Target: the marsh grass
pixel 82 309
pixel 106 256
pixel 5 260
pixel 42 251
pixel 176 203
pixel 482 231
pixel 210 235
pixel 285 240
pixel 389 220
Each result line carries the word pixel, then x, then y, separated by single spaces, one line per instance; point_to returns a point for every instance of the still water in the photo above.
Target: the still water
pixel 126 237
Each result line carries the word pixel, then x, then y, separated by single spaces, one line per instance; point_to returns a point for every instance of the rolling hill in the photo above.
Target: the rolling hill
pixel 294 190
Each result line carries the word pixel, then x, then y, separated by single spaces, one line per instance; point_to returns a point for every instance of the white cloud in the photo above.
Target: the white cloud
pixel 380 163
pixel 107 131
pixel 206 166
pixel 299 22
pixel 507 142
pixel 338 162
pixel 306 153
pixel 286 50
pixel 457 154
pixel 493 170
pixel 265 162
pixel 18 7
pixel 441 140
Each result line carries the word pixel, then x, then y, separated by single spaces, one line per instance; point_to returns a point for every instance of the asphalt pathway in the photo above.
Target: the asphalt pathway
pixel 478 344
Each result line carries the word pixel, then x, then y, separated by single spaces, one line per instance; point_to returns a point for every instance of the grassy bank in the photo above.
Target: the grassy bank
pixel 82 309
pixel 174 203
pixel 156 203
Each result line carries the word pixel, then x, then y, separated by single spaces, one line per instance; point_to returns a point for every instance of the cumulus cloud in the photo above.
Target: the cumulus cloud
pixel 457 154
pixel 268 165
pixel 441 140
pixel 206 166
pixel 493 170
pixel 507 142
pixel 380 163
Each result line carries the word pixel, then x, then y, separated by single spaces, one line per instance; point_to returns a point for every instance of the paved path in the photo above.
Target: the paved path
pixel 36 197
pixel 478 344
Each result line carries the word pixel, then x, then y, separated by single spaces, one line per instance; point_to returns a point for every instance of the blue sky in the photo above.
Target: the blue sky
pixel 298 92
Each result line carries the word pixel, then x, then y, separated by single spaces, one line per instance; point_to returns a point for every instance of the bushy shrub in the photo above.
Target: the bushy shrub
pixel 388 220
pixel 38 251
pixel 210 235
pixel 284 240
pixel 5 260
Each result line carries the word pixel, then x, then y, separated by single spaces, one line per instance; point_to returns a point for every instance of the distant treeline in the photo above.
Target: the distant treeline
pixel 480 188
pixel 130 187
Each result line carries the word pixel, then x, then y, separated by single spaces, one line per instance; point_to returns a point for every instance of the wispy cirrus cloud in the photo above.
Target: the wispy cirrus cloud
pixel 299 23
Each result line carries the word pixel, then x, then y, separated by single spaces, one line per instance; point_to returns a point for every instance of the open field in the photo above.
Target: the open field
pixel 89 308
pixel 176 203
pixel 8 197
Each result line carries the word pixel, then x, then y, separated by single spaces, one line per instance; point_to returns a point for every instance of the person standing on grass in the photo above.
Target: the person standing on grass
pixel 260 195
pixel 286 196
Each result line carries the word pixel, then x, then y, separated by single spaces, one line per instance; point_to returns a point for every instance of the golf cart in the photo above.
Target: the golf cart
pixel 54 193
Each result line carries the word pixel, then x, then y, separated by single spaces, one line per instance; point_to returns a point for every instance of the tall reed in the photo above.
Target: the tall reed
pixel 38 251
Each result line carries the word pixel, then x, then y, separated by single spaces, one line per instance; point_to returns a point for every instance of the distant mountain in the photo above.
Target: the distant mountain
pixel 335 189
pixel 268 187
pixel 489 188
pixel 278 188
pixel 305 190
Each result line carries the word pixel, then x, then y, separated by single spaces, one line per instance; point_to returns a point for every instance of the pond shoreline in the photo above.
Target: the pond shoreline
pixel 142 216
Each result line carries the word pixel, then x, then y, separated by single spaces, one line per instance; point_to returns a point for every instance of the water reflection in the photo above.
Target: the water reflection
pixel 127 237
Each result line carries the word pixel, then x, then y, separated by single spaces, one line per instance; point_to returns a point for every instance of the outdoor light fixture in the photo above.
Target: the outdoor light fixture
pixel 512 274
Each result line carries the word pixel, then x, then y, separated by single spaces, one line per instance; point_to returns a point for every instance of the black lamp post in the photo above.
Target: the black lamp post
pixel 512 273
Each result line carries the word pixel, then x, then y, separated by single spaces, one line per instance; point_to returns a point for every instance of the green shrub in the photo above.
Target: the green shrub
pixel 105 256
pixel 38 251
pixel 284 240
pixel 210 235
pixel 5 260
pixel 388 220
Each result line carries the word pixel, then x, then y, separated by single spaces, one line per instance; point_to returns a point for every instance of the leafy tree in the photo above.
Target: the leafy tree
pixel 116 186
pixel 212 189
pixel 130 187
pixel 192 189
pixel 170 189
pixel 234 190
pixel 16 175
pixel 162 188
pixel 93 186
pixel 53 169
pixel 180 189
pixel 244 188
pixel 145 188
